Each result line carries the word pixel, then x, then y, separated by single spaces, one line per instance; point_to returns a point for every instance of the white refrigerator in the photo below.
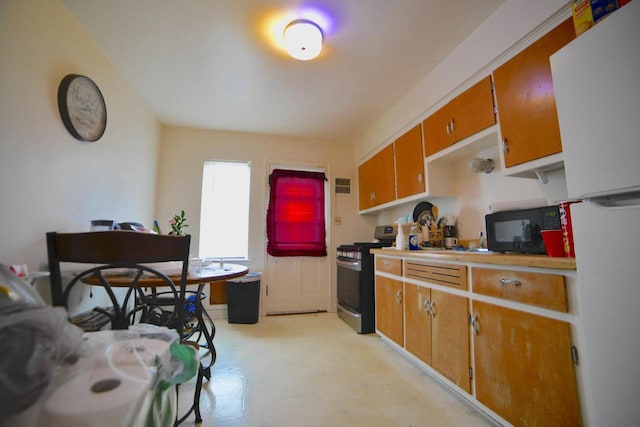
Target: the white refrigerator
pixel 597 86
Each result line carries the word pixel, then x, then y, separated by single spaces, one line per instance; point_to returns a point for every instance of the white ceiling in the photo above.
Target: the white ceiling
pixel 211 63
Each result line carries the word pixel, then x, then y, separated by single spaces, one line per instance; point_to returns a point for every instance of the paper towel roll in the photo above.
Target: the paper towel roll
pixel 139 351
pixel 99 397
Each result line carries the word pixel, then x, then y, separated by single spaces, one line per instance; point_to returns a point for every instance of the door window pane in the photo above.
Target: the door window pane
pixel 296 214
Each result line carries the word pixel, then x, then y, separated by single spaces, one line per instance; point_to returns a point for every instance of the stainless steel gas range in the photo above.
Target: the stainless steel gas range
pixel 356 280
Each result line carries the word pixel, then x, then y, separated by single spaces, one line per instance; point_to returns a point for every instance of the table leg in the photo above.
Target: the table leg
pixel 207 328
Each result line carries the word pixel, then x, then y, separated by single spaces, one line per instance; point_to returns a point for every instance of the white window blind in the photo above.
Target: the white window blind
pixel 224 216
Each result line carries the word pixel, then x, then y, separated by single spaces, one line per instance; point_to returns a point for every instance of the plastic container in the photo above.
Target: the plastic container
pixel 400 239
pixel 567 228
pixel 243 298
pixel 553 242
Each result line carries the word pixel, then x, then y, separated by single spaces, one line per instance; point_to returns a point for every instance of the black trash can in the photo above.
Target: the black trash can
pixel 243 298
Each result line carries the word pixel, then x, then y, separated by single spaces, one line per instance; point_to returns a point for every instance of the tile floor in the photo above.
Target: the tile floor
pixel 313 370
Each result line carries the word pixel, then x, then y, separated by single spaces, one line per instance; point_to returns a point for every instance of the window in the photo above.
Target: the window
pixel 296 214
pixel 224 215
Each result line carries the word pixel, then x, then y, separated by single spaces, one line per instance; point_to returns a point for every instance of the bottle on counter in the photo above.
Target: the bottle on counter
pixel 482 243
pixel 400 238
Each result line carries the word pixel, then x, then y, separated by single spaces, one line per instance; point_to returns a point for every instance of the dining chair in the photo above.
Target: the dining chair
pixel 120 271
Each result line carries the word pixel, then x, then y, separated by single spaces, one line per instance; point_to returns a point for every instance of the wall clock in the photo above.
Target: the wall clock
pixel 82 107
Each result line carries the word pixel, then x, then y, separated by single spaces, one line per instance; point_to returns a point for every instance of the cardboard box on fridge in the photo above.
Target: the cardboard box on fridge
pixel 601 8
pixel 582 16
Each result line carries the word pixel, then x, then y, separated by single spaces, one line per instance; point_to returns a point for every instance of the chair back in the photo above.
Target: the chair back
pixel 109 253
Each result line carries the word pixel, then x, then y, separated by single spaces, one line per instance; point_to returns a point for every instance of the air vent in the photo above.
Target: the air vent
pixel 343 186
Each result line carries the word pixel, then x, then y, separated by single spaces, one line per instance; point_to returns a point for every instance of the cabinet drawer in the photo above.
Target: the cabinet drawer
pixel 454 276
pixel 542 290
pixel 389 265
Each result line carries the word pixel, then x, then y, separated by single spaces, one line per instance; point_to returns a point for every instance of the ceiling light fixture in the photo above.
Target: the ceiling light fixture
pixel 303 39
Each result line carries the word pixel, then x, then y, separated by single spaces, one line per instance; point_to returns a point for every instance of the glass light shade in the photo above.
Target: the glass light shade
pixel 303 39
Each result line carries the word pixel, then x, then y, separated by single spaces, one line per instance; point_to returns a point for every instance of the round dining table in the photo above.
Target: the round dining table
pixel 215 272
pixel 197 275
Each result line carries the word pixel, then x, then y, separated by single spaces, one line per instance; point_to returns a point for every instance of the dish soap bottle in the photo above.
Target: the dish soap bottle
pixel 482 242
pixel 400 239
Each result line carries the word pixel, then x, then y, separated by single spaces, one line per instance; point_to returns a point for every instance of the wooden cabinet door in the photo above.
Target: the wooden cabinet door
pixel 365 184
pixel 524 370
pixel 376 179
pixel 434 127
pixel 437 332
pixel 384 176
pixel 410 163
pixel 526 101
pixel 450 337
pixel 418 321
pixel 466 114
pixel 389 308
pixel 473 110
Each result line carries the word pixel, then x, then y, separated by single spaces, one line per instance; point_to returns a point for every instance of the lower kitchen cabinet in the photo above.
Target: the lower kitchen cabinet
pixel 418 319
pixel 524 370
pixel 500 334
pixel 450 337
pixel 389 309
pixel 437 332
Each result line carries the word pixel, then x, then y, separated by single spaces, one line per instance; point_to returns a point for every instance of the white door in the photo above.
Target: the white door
pixel 298 284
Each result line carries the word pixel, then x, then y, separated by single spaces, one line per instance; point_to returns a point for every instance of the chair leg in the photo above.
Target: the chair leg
pixel 196 397
pixel 195 406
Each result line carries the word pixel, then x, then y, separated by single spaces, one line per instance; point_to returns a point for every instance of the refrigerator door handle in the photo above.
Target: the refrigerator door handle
pixel 616 203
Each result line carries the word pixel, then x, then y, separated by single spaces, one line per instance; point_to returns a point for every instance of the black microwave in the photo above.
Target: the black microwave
pixel 519 230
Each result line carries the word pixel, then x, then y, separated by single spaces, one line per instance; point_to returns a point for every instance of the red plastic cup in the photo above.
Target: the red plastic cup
pixel 553 242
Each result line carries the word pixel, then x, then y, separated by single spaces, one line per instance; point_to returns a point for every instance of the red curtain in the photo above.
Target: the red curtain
pixel 295 217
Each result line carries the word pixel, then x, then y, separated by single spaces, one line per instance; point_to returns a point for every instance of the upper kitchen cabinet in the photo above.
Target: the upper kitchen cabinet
pixel 526 102
pixel 410 163
pixel 465 115
pixel 395 173
pixel 376 179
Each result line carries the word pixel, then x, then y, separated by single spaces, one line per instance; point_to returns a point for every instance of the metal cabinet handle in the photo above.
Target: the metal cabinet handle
pixel 513 282
pixel 385 262
pixel 505 146
pixel 420 178
pixel 399 297
pixel 453 125
pixel 426 307
pixel 475 324
pixel 432 309
pixel 373 196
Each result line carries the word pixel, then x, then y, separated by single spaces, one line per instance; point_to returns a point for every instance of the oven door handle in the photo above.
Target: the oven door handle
pixel 351 265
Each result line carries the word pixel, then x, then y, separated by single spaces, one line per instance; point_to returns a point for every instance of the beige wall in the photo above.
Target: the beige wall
pixel 49 180
pixel 183 152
